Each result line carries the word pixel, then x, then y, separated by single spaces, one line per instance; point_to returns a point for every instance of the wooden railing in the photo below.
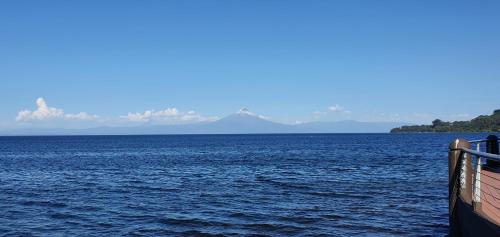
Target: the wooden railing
pixel 474 187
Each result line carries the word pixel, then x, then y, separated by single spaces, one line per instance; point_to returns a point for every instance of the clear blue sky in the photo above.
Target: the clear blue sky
pixel 377 60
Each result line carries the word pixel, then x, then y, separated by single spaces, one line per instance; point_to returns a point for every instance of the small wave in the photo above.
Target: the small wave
pixel 44 204
pixel 333 217
pixel 237 214
pixel 300 219
pixel 128 188
pixel 274 227
pixel 282 184
pixel 105 225
pixel 87 208
pixel 192 222
pixel 63 216
pixel 341 195
pixel 137 217
pixel 436 225
pixel 200 233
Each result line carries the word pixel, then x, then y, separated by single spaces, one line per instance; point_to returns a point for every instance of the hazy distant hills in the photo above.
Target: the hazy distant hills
pixel 242 122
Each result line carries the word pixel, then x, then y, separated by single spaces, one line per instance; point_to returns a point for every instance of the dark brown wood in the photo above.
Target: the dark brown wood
pixel 471 223
pixel 454 167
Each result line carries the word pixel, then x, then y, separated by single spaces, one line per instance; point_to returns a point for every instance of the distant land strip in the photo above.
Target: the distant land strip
pixel 483 123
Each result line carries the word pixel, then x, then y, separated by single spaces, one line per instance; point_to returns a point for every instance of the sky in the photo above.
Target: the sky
pixel 117 63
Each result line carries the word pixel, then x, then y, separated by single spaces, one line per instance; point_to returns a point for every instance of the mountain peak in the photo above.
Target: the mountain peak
pixel 244 111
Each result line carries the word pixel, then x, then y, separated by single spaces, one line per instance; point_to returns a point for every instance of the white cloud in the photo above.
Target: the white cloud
pixel 44 112
pixel 151 114
pixel 81 116
pixel 319 113
pixel 336 108
pixel 169 115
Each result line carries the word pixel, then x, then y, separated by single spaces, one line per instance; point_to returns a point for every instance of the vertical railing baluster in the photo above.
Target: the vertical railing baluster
pixel 477 177
pixel 463 171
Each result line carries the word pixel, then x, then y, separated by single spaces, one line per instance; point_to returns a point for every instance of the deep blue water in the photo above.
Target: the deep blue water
pixel 332 185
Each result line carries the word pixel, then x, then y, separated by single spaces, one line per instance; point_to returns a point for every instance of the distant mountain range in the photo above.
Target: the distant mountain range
pixel 242 122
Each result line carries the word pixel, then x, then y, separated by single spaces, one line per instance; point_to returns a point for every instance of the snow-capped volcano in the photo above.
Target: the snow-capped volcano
pixel 245 115
pixel 249 122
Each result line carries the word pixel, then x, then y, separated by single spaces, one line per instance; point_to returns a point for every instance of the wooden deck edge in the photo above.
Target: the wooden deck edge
pixel 468 223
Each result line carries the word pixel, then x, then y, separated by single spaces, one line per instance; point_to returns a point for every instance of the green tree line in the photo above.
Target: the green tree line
pixel 483 123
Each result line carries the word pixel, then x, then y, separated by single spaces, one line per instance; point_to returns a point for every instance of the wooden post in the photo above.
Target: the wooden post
pixel 457 181
pixel 492 147
pixel 492 144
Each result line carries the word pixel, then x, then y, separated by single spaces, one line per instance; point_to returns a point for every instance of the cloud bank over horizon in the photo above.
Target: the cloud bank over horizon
pixel 169 115
pixel 44 112
pixel 47 116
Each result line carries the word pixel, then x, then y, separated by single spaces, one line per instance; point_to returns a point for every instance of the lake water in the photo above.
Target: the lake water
pixel 231 185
